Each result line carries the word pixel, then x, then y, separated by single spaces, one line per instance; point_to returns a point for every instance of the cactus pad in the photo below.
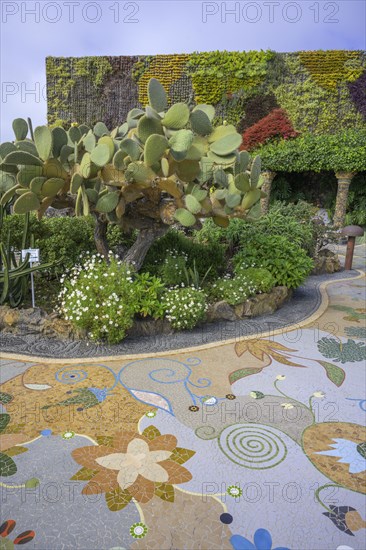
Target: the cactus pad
pixel 200 123
pixel 155 148
pixel 185 217
pixel 20 128
pixel 107 202
pixel 176 117
pixel 43 141
pixel 157 95
pixel 26 203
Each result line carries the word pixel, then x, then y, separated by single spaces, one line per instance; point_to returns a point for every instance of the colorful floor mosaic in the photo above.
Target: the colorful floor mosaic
pixel 253 445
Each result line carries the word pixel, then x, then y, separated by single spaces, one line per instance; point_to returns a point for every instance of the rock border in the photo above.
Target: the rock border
pixel 305 301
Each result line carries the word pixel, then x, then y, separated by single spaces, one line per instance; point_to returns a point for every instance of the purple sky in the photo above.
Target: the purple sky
pixel 30 31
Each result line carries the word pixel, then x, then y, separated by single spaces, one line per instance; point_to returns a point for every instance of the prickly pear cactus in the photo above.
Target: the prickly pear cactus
pixel 163 165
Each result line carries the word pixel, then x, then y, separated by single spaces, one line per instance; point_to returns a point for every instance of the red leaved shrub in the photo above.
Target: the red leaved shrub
pixel 276 124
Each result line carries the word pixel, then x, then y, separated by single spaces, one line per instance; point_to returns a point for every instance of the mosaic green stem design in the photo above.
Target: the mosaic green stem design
pixel 318 491
pixel 296 401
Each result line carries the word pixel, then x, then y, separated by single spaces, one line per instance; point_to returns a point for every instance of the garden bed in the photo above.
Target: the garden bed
pixel 37 321
pixel 304 302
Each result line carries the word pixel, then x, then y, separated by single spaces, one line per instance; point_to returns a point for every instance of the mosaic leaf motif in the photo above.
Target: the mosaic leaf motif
pixel 16 451
pixel 242 373
pixel 181 455
pixel 4 421
pixel 338 517
pixel 7 527
pixel 334 373
pixel 117 499
pixel 84 397
pixel 84 474
pixel 353 314
pixel 348 352
pixel 151 432
pixel 104 440
pixel 262 349
pixel 24 537
pixel 5 398
pixel 32 483
pixel 13 428
pixel 7 465
pixel 356 332
pixel 165 492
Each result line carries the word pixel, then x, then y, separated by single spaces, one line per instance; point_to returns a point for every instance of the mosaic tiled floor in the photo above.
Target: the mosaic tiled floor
pixel 257 445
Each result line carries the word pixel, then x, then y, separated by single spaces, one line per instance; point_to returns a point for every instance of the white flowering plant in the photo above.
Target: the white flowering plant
pixel 172 271
pixel 99 297
pixel 261 278
pixel 233 290
pixel 184 307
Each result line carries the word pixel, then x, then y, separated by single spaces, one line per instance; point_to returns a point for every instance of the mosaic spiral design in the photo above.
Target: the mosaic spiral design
pixel 252 446
pixel 70 375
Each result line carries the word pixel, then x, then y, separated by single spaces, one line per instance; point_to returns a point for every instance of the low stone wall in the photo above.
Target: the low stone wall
pixel 36 321
pixel 260 304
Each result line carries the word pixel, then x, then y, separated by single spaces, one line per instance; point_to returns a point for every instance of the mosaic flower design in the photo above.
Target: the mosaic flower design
pixel 348 452
pixel 69 434
pixel 338 450
pixel 262 541
pixel 138 530
pixel 234 491
pixel 132 465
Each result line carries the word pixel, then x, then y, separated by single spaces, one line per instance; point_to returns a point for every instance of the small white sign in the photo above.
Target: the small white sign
pixel 33 254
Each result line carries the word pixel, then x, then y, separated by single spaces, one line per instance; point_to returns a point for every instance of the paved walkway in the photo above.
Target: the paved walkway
pixel 254 444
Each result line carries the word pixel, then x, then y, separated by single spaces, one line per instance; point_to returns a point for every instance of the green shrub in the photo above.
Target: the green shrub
pixel 175 242
pixel 64 237
pixel 287 225
pixel 286 260
pixel 291 221
pixel 148 292
pixel 213 235
pixel 184 307
pixel 172 270
pixel 356 204
pixel 260 278
pixel 99 298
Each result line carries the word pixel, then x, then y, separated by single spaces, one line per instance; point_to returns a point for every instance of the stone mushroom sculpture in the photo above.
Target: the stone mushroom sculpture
pixel 351 231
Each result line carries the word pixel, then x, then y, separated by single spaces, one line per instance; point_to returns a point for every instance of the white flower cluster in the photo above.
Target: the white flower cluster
pixel 95 296
pixel 234 291
pixel 184 307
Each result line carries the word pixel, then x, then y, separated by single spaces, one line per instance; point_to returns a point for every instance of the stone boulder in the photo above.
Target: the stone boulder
pixel 220 311
pixel 260 304
pixel 326 262
pixel 265 303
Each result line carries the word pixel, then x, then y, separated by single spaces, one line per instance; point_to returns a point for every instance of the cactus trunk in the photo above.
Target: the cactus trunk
pixel 100 236
pixel 145 239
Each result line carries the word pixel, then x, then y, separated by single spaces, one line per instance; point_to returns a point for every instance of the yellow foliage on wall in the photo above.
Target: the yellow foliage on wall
pixel 329 68
pixel 166 68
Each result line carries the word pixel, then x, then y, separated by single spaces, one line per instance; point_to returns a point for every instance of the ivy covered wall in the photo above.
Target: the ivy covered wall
pixel 272 98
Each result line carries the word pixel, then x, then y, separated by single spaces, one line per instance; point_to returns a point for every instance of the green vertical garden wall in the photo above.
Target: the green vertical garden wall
pixel 302 111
